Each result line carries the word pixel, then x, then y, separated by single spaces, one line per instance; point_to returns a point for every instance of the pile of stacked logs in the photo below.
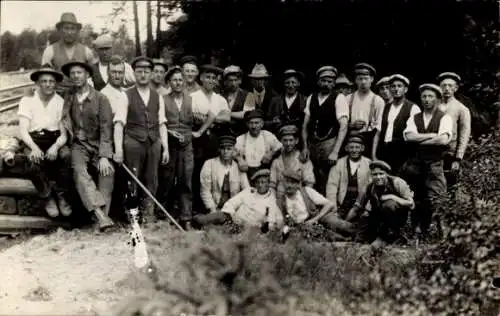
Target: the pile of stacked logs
pixel 20 207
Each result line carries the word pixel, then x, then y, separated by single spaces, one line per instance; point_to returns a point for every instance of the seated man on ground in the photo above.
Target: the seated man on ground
pixel 220 177
pixel 304 205
pixel 289 159
pixel 257 148
pixel 253 207
pixel 391 201
pixel 44 139
pixel 348 178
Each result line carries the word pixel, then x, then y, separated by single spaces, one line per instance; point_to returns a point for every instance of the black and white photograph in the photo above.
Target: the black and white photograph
pixel 250 157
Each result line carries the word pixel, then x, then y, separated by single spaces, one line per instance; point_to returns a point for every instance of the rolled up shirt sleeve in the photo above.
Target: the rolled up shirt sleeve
pixel 446 127
pixel 410 127
pixel 162 118
pixel 379 105
pixel 404 191
pixel 316 197
pixel 341 107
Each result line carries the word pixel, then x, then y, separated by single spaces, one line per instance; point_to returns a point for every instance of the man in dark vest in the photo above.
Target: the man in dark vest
pixel 88 119
pixel 287 109
pixel 261 95
pixel 430 132
pixel 235 97
pixel 179 170
pixel 103 45
pixel 140 132
pixel 67 48
pixel 325 126
pixel 389 144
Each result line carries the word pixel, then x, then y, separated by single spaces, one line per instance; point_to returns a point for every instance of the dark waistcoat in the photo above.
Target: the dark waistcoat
pixel 429 152
pixel 142 122
pixel 323 123
pixel 399 124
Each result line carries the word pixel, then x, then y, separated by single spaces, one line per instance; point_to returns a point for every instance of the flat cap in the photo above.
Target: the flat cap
pixel 449 75
pixel 292 174
pixel 46 71
pixel 172 70
pixel 383 81
pixel 365 69
pixel 355 139
pixel 252 114
pixel 399 77
pixel 343 80
pixel 293 73
pixel 227 140
pixel 260 173
pixel 380 165
pixel 161 62
pixel 142 61
pixel 103 41
pixel 326 71
pixel 188 59
pixel 289 130
pixel 432 87
pixel 232 70
pixel 210 69
pixel 67 67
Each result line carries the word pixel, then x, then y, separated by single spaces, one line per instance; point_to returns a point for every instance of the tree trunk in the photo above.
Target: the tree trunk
pixel 137 36
pixel 158 31
pixel 149 42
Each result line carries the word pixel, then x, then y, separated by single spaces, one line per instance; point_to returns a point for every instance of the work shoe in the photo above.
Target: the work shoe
pixel 64 207
pixel 103 220
pixel 51 208
pixel 148 212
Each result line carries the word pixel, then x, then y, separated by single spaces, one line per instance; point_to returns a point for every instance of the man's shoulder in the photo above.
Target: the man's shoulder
pixel 397 181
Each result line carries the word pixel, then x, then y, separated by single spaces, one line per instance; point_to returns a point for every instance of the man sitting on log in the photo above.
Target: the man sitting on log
pixel 44 138
pixel 88 118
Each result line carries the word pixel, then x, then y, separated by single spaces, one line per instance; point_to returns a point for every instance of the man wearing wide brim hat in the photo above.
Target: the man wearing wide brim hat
pixel 429 132
pixel 287 108
pixel 389 142
pixel 325 125
pixel 343 85
pixel 103 46
pixel 88 118
pixel 365 107
pixel 44 139
pixel 67 48
pixel 460 114
pixel 235 96
pixel 260 96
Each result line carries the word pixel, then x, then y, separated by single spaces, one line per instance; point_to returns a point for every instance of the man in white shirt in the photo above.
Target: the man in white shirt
pixel 430 132
pixel 325 126
pixel 365 107
pixel 44 137
pixel 100 76
pixel 114 89
pixel 141 132
pixel 257 148
pixel 388 143
pixel 190 71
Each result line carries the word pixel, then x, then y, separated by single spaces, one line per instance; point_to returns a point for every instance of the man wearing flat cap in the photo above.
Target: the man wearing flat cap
pixel 325 126
pixel 365 107
pixel 44 138
pixel 344 85
pixel 141 133
pixel 461 119
pixel 260 96
pixel 391 200
pixel 257 148
pixel 190 71
pixel 383 88
pixel 158 80
pixel 389 144
pixel 88 118
pixel 67 48
pixel 235 97
pixel 221 177
pixel 429 132
pixel 289 159
pixel 348 178
pixel 287 108
pixel 179 115
pixel 100 74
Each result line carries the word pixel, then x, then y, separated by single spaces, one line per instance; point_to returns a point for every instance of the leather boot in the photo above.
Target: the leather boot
pixel 186 225
pixel 51 208
pixel 103 220
pixel 148 212
pixel 64 207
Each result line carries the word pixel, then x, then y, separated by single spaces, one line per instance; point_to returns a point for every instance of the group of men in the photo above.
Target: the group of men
pixel 344 156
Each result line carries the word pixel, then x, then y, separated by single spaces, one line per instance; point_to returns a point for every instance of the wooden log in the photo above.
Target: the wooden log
pixel 31 205
pixel 16 186
pixel 8 205
pixel 17 222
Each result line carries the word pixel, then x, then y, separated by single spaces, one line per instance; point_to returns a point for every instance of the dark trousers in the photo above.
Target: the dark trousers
pixel 386 221
pixel 144 157
pixel 451 176
pixel 319 153
pixel 427 180
pixel 179 170
pixel 394 153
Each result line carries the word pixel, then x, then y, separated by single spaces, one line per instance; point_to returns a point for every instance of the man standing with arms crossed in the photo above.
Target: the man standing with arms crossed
pixel 140 132
pixel 323 137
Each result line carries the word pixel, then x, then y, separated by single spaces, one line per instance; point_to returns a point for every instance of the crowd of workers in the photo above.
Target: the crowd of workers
pixel 362 164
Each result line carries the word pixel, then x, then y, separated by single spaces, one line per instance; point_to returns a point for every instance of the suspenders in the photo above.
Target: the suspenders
pixel 372 109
